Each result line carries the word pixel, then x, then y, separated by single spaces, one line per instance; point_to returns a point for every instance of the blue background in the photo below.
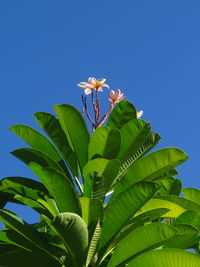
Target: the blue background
pixel 148 49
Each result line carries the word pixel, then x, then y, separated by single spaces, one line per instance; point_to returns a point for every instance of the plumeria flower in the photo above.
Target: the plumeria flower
pixel 139 114
pixel 115 96
pixel 93 84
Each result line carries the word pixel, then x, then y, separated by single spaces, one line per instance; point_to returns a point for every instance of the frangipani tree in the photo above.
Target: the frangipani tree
pixel 103 199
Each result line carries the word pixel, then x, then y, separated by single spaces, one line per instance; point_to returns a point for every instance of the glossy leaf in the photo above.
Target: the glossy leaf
pixel 174 209
pixel 166 257
pixel 76 131
pixel 59 187
pixel 105 142
pixel 123 208
pixel 123 112
pixel 73 231
pixel 151 167
pixel 189 217
pixel 141 239
pixel 28 155
pixel 36 140
pixel 133 135
pixel 53 129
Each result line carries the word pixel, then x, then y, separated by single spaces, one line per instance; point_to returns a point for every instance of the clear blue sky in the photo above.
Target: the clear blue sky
pixel 148 49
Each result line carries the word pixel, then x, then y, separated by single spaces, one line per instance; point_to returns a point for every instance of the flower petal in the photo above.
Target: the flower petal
pixel 140 113
pixel 88 91
pixel 92 81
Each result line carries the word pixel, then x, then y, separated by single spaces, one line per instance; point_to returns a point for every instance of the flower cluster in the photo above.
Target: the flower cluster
pixel 93 86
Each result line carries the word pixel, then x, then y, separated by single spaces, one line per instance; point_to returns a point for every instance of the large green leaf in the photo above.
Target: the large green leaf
pixel 170 186
pixel 123 112
pixel 140 240
pixel 174 209
pixel 26 231
pixel 133 135
pixel 92 210
pixel 76 131
pixel 73 232
pixel 28 155
pixel 189 217
pixel 192 194
pixel 53 129
pixel 167 257
pixel 37 140
pixel 24 186
pixel 34 205
pixel 97 168
pixel 123 208
pixel 59 187
pixel 151 167
pixel 184 203
pixel 105 142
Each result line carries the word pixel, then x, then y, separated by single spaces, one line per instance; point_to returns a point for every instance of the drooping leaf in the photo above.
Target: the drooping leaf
pixel 34 205
pixel 37 141
pixel 192 194
pixel 123 112
pixel 92 210
pixel 26 231
pixel 53 129
pixel 105 142
pixel 168 257
pixel 133 135
pixel 73 232
pixel 59 187
pixel 123 208
pixel 76 131
pixel 140 240
pixel 170 186
pixel 28 155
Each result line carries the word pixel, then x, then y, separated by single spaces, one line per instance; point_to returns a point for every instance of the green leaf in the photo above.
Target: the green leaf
pixel 73 232
pixel 25 230
pixel 133 135
pixel 34 205
pixel 123 112
pixel 189 217
pixel 76 131
pixel 143 238
pixel 53 129
pixel 28 155
pixel 123 208
pixel 184 203
pixel 104 142
pixel 174 209
pixel 167 257
pixel 170 186
pixel 192 194
pixel 151 167
pixel 25 187
pixel 92 210
pixel 59 187
pixel 37 141
pixel 94 170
